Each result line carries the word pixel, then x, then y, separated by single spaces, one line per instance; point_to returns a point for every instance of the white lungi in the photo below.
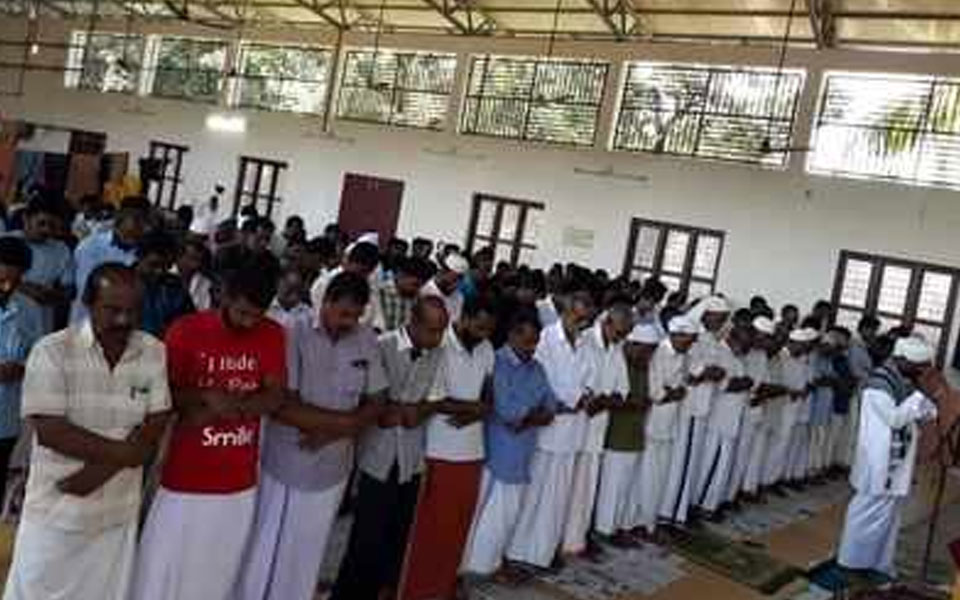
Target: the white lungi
pixel 546 504
pixel 614 511
pixel 839 440
pixel 193 545
pixel 54 564
pixel 749 433
pixel 495 519
pixel 685 470
pixel 819 457
pixel 719 457
pixel 289 540
pixel 756 464
pixel 870 533
pixel 654 472
pixel 586 476
pixel 798 460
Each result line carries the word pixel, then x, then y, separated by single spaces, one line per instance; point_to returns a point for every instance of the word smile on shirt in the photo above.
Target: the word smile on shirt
pixel 241 435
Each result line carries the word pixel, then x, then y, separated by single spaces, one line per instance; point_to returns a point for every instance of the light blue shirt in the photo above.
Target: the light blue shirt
pixel 18 332
pixel 51 264
pixel 95 250
pixel 518 387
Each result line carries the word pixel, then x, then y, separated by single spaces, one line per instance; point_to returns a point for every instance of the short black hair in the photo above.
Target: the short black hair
pixel 425 302
pixel 323 246
pixel 422 241
pixel 14 252
pixel 250 283
pixel 868 321
pixel 485 252
pixel 352 287
pixel 45 206
pixel 256 223
pixel 398 243
pixel 157 243
pixel 294 219
pixel 654 289
pixel 416 267
pixel 108 271
pixel 477 305
pixel 364 254
pixel 787 307
pixel 524 317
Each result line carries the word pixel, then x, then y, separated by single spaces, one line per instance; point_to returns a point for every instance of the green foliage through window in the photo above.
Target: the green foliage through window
pixel 190 69
pixel 105 62
pixel 285 78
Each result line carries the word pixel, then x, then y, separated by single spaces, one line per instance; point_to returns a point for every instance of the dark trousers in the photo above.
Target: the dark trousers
pixel 383 512
pixel 6 451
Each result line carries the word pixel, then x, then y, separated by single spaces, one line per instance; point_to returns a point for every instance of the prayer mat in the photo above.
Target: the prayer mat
pixel 732 559
pixel 831 576
pixel 901 592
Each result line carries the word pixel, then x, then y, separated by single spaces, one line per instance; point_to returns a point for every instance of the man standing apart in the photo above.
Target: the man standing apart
pixel 97 396
pixel 227 368
pixel 611 386
pixel 454 457
pixel 391 456
pixel 885 457
pixel 546 505
pixel 334 368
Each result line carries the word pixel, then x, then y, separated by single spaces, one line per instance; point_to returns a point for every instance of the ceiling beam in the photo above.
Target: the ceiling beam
pixel 822 23
pixel 320 10
pixel 465 16
pixel 602 8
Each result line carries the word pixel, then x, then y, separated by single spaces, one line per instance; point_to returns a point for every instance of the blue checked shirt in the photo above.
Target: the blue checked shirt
pixel 19 329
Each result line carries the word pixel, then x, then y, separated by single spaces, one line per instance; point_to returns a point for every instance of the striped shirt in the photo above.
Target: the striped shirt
pixel 68 376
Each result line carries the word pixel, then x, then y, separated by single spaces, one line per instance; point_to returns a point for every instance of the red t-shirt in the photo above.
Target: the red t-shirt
pixel 220 457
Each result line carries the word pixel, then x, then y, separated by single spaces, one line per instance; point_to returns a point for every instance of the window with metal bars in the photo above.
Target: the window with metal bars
pixel 533 99
pixel 283 78
pixel 258 184
pixel 169 158
pixel 189 69
pixel 740 114
pixel 901 293
pixel 507 225
pixel 889 127
pixel 683 257
pixel 104 62
pixel 410 89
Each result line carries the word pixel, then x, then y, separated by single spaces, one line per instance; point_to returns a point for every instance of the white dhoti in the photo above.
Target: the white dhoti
pixel 839 440
pixel 776 468
pixel 193 545
pixel 719 457
pixel 546 503
pixel 50 563
pixel 586 476
pixel 289 540
pixel 819 454
pixel 798 459
pixel 753 478
pixel 495 519
pixel 614 511
pixel 680 491
pixel 869 539
pixel 649 487
pixel 741 461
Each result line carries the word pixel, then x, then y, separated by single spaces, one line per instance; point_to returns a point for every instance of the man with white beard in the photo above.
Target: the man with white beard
pixel 892 406
pixel 706 373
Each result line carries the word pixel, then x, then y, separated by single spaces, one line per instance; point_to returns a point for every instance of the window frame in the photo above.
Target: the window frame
pixel 155 69
pixel 77 55
pixel 475 239
pixel 242 77
pixel 276 167
pixel 702 115
pixel 394 89
pixel 924 130
pixel 171 181
pixel 686 276
pixel 911 304
pixel 529 101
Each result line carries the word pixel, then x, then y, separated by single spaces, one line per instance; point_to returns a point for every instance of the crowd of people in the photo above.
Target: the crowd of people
pixel 199 401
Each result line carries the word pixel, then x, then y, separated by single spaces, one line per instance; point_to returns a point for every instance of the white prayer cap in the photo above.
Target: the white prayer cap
pixel 682 324
pixel 456 262
pixel 764 325
pixel 804 335
pixel 715 304
pixel 645 333
pixel 370 237
pixel 913 349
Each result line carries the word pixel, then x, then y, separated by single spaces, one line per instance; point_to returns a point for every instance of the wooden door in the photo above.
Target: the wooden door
pixel 369 203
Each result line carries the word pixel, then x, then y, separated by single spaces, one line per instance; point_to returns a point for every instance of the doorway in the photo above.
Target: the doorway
pixel 369 203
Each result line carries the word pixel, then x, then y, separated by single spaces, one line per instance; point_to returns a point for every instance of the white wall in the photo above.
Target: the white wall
pixel 784 228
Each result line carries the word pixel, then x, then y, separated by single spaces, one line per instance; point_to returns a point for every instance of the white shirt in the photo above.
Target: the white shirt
pixel 289 319
pixel 370 316
pixel 758 369
pixel 201 291
pixel 568 370
pixel 464 373
pixel 879 416
pixel 68 376
pixel 727 413
pixel 609 376
pixel 547 312
pixel 708 350
pixel 453 302
pixel 668 369
pixel 796 376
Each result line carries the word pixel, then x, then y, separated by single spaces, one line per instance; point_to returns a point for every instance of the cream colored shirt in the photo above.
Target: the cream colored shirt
pixel 68 376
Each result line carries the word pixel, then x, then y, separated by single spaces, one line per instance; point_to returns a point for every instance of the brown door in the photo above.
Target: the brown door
pixel 370 203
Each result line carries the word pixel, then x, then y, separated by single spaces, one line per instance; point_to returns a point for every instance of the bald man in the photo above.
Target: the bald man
pixel 97 396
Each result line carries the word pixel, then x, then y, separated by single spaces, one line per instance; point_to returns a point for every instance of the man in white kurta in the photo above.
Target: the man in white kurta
pixel 796 379
pixel 565 358
pixel 611 387
pixel 686 474
pixel 723 426
pixel 669 369
pixel 886 453
pixel 96 394
pixel 763 365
